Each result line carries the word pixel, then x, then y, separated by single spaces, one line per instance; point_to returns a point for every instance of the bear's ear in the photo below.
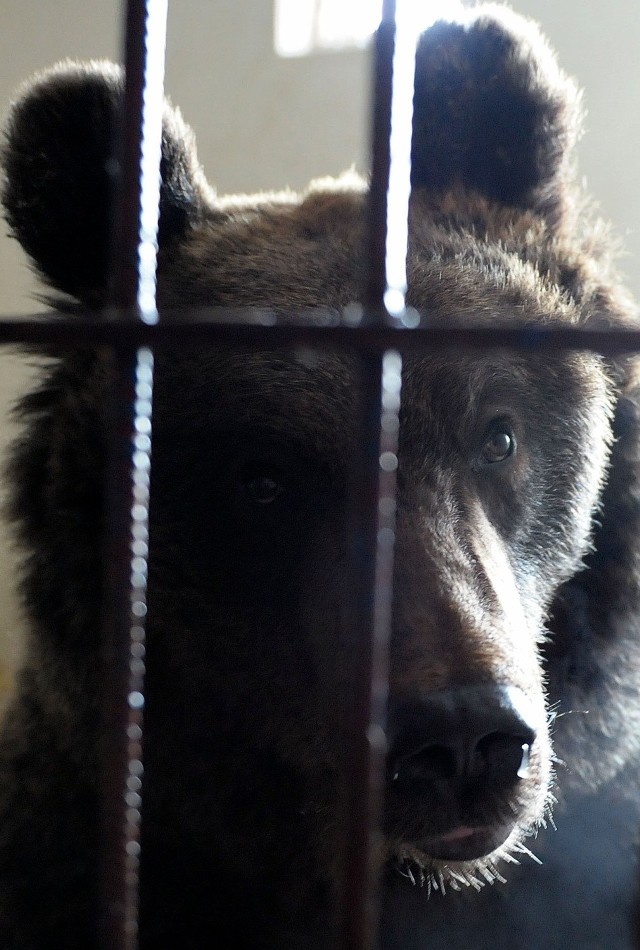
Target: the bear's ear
pixel 58 189
pixel 493 113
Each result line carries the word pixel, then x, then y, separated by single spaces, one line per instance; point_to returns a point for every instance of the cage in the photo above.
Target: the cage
pixel 382 331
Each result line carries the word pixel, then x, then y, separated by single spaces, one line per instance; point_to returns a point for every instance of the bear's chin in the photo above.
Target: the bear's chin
pixel 466 856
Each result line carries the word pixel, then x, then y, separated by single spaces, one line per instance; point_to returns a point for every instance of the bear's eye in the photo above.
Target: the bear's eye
pixel 499 445
pixel 263 489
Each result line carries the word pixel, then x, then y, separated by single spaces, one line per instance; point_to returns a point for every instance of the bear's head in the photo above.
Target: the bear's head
pixel 516 577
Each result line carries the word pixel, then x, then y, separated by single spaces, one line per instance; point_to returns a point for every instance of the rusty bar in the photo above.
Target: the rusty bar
pixel 127 489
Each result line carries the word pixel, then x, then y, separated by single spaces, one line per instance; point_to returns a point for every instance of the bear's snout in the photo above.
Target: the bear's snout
pixel 475 733
pixel 464 751
pixel 469 761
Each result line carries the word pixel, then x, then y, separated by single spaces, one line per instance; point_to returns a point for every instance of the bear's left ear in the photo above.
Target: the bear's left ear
pixel 57 190
pixel 493 112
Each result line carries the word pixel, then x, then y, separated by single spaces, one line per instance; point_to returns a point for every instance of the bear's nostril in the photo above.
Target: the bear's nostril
pixel 475 733
pixel 503 756
pixel 433 761
pixel 497 757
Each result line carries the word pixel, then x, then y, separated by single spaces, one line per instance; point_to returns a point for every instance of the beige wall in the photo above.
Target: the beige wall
pixel 263 122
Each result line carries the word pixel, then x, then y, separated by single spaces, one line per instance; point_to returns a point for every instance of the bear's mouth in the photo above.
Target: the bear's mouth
pixel 469 823
pixel 465 856
pixel 466 842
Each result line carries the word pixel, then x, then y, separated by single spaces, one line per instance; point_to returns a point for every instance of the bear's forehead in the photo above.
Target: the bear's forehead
pixel 271 251
pixel 291 253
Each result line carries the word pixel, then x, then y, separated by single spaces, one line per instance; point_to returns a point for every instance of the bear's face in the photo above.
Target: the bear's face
pixel 505 459
pixel 250 563
pixel 502 457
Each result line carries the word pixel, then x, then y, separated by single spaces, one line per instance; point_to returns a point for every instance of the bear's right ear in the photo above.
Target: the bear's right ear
pixel 57 190
pixel 493 112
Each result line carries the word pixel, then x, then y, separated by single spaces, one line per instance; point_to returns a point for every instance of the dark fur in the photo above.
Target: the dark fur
pixel 248 658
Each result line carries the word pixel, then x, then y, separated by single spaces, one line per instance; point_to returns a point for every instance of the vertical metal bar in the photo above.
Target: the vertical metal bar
pixel 127 511
pixel 375 279
pixel 138 160
pixel 371 525
pixel 372 528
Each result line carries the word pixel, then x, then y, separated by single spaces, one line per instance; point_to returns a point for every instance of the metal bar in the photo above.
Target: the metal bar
pixel 127 490
pixel 361 757
pixel 218 328
pixel 375 281
pixel 139 140
pixel 371 523
pixel 126 526
pixel 370 526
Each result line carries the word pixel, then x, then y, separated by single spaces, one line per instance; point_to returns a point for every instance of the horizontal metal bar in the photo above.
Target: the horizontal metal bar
pixel 321 329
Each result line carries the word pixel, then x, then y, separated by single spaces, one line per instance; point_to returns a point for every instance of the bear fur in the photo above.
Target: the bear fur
pixel 517 567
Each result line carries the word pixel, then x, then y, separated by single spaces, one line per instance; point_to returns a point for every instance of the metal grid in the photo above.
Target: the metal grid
pixel 131 329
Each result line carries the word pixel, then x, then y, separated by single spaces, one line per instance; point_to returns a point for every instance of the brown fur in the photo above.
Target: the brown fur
pixel 504 572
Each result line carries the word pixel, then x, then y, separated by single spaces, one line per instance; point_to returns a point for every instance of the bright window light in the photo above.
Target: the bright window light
pixel 305 26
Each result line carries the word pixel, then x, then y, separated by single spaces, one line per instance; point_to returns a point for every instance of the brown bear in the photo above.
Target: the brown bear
pixel 515 651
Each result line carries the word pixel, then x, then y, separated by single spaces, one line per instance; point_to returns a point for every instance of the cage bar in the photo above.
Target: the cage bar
pixel 371 526
pixel 132 298
pixel 246 329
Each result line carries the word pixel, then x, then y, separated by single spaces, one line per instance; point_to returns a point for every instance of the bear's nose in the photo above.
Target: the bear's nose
pixel 475 732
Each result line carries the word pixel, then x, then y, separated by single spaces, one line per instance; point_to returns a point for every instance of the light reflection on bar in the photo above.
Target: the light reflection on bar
pixel 133 286
pixel 152 108
pixel 138 573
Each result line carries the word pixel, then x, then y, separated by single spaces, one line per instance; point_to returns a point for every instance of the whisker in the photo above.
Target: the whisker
pixel 522 849
pixel 457 879
pixel 497 874
pixel 475 883
pixel 509 858
pixel 487 875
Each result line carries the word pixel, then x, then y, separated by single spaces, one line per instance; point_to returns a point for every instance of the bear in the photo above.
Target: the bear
pixel 515 651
